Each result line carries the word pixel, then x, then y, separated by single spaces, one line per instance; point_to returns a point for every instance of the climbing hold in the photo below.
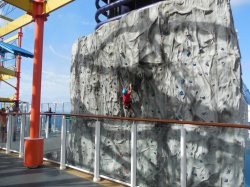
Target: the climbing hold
pixel 201 51
pixel 190 81
pixel 194 64
pixel 181 93
pixel 179 116
pixel 188 53
pixel 182 81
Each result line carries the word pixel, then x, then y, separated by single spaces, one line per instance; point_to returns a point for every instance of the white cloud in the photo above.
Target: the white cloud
pixel 55 87
pixel 239 2
pixel 58 54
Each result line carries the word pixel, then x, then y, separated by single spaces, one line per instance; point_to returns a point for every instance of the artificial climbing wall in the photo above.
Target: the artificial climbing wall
pixel 183 60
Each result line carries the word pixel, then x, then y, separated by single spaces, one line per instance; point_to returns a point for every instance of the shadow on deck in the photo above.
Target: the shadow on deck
pixel 14 174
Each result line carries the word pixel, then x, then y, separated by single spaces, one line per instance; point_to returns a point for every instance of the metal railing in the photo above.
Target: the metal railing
pixel 22 120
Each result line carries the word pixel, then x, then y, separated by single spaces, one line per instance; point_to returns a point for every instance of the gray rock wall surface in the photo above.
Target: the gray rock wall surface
pixel 183 60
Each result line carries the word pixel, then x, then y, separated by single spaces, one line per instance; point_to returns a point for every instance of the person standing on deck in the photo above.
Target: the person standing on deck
pixel 48 117
pixel 3 121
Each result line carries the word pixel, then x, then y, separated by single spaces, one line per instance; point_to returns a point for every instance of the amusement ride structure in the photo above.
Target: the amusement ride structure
pixel 115 9
pixel 37 11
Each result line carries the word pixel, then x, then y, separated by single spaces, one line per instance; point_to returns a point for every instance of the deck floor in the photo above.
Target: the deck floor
pixel 14 174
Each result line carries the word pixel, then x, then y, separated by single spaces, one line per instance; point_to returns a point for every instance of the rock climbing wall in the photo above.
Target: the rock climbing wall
pixel 183 60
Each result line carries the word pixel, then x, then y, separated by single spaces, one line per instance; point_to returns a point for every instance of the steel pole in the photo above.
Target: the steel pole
pixel 37 70
pixel 33 157
pixel 18 69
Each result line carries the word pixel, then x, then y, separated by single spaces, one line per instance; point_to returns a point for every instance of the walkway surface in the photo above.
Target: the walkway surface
pixel 14 174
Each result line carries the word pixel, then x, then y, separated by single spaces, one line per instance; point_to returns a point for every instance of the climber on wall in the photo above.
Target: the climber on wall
pixel 126 94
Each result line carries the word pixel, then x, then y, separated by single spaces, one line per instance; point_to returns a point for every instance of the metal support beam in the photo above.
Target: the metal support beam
pixel 16 24
pixel 6 71
pixel 7 100
pixel 26 5
pixel 33 154
pixel 52 5
pixel 5 77
pixel 11 38
pixel 6 18
pixel 48 6
pixel 37 71
pixel 9 84
pixel 18 68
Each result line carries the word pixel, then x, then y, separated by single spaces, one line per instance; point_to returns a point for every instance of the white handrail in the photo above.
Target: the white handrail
pixel 133 182
pixel 47 128
pixel 9 125
pixel 21 147
pixel 63 144
pixel 133 154
pixel 97 152
pixel 183 157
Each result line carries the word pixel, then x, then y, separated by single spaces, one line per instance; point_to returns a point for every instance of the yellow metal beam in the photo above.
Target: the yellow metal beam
pixel 6 71
pixel 11 38
pixel 6 18
pixel 11 99
pixel 5 77
pixel 16 24
pixel 26 5
pixel 49 6
pixel 52 5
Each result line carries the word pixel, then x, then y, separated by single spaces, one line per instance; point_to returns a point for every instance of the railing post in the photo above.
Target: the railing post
pixel 63 144
pixel 133 154
pixel 183 157
pixel 40 125
pixel 43 126
pixel 47 128
pixel 9 127
pixel 97 152
pixel 21 147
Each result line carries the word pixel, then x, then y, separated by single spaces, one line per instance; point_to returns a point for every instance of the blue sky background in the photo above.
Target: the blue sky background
pixel 62 29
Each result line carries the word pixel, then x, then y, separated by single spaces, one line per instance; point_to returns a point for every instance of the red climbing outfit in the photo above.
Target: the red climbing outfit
pixel 126 99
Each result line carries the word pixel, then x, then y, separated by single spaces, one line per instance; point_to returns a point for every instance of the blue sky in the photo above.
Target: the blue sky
pixel 62 29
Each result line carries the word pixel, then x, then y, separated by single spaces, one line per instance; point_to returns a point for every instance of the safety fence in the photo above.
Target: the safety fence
pixel 56 130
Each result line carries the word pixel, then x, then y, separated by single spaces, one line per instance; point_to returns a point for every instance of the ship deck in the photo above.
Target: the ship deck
pixel 14 174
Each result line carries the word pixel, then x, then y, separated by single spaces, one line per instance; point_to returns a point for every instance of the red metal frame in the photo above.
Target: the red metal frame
pixel 34 145
pixel 37 68
pixel 18 69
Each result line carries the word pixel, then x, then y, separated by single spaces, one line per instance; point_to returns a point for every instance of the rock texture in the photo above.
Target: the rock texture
pixel 183 60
